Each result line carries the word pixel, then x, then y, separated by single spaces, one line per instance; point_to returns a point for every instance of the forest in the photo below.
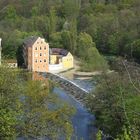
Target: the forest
pixel 83 27
pixel 91 30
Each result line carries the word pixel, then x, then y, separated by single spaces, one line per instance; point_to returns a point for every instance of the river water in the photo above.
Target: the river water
pixel 82 121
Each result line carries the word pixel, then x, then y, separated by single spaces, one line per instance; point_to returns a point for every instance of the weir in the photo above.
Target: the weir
pixel 72 88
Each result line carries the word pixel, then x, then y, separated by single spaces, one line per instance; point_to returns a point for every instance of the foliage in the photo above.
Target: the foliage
pixel 113 25
pixel 116 106
pixel 87 51
pixel 29 109
pixel 99 135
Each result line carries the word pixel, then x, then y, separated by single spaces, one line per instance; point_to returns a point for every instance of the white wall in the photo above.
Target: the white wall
pixel 55 67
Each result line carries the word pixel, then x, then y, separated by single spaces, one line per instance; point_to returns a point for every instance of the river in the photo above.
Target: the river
pixel 82 121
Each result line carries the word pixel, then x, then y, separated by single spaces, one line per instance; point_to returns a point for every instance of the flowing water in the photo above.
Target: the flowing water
pixel 82 121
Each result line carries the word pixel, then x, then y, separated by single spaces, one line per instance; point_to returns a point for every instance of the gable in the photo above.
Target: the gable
pixel 40 42
pixel 69 54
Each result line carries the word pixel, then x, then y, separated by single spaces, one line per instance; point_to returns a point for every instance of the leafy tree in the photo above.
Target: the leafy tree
pixel 52 22
pixel 56 40
pixel 112 103
pixel 66 39
pixel 136 48
pixel 11 12
pixel 29 109
pixel 71 8
pixel 84 43
pixel 89 54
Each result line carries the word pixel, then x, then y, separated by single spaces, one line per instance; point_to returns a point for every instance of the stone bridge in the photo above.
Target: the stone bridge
pixel 72 89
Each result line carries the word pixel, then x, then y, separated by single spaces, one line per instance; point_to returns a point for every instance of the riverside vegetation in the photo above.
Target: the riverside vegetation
pixel 29 109
pixel 117 101
pixel 88 29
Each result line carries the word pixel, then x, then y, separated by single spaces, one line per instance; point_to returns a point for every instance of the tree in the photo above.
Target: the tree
pixel 29 109
pixel 71 8
pixel 84 43
pixel 88 53
pixel 11 12
pixel 52 22
pixel 115 106
pixel 56 40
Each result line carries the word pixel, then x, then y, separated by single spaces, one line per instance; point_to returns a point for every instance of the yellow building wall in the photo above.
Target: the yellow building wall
pixel 67 61
pixel 53 59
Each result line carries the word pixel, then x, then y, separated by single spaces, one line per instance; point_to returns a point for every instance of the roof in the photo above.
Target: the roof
pixel 58 51
pixel 30 40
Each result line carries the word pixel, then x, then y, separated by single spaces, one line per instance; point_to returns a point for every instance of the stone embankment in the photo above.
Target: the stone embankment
pixel 73 89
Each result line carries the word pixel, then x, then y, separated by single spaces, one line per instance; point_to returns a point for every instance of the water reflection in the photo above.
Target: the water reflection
pixel 82 120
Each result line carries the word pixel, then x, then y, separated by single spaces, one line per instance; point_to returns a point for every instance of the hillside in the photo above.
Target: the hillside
pixel 113 26
pixel 91 30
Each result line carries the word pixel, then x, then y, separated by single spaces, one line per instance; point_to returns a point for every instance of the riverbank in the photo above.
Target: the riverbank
pixel 76 73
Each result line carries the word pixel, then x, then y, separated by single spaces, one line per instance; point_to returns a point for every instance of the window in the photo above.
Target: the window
pixel 36 60
pixel 35 48
pixel 44 54
pixel 40 48
pixel 45 48
pixel 44 60
pixel 40 60
pixel 40 54
pixel 36 54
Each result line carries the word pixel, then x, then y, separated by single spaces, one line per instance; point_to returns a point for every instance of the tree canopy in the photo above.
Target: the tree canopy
pixel 29 109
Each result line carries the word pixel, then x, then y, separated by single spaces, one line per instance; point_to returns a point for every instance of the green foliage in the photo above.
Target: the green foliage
pixel 52 22
pixel 134 49
pixel 113 25
pixel 71 8
pixel 29 109
pixel 84 43
pixel 87 51
pixel 14 40
pixel 56 40
pixel 99 135
pixel 7 123
pixel 11 12
pixel 78 26
pixel 115 105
